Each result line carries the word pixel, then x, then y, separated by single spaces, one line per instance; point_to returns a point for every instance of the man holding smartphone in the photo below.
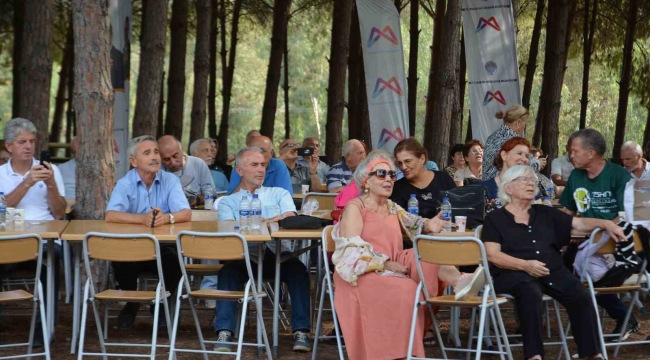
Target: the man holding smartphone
pixel 322 168
pixel 300 174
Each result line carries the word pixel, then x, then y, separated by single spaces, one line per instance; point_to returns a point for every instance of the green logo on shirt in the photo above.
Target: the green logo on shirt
pixel 582 199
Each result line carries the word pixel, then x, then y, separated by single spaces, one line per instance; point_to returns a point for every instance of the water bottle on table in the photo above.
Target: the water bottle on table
pixel 413 206
pixel 208 196
pixel 3 209
pixel 256 213
pixel 446 214
pixel 244 211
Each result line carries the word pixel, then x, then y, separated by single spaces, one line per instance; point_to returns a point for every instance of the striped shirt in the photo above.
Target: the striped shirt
pixel 339 175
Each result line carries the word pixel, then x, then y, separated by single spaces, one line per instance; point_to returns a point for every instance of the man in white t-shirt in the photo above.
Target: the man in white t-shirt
pixel 633 161
pixel 561 168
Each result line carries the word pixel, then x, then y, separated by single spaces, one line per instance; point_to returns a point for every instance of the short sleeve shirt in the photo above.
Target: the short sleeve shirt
pixel 562 167
pixel 131 195
pixel 299 175
pixel 339 175
pixel 220 180
pixel 197 170
pixel 600 197
pixel 428 197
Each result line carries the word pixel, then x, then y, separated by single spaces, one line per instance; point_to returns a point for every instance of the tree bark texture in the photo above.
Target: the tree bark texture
pixel 588 38
pixel 36 67
pixel 287 116
pixel 59 102
pixel 279 36
pixel 93 102
pixel 554 57
pixel 201 68
pixel 446 107
pixel 462 76
pixel 358 116
pixel 161 107
pixel 412 81
pixel 456 126
pixel 152 61
pixel 176 74
pixel 626 75
pixel 19 28
pixel 212 83
pixel 340 50
pixel 436 49
pixel 532 54
pixel 468 134
pixel 70 127
pixel 228 68
pixel 569 36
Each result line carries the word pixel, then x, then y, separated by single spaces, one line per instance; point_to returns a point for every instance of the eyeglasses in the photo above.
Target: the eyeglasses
pixel 291 145
pixel 476 151
pixel 381 174
pixel 527 180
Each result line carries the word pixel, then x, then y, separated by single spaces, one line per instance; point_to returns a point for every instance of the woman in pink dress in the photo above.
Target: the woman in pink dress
pixel 375 308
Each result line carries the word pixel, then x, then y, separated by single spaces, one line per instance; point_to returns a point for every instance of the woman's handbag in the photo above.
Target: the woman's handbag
pixel 467 201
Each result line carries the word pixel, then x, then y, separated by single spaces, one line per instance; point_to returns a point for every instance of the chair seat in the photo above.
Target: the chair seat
pixel 617 289
pixel 472 301
pixel 510 297
pixel 127 295
pixel 203 269
pixel 14 295
pixel 221 294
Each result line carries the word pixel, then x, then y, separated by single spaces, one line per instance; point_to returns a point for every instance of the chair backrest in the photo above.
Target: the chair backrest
pixel 328 241
pixel 457 251
pixel 610 247
pixel 325 200
pixel 121 247
pixel 19 248
pixel 211 246
pixel 204 215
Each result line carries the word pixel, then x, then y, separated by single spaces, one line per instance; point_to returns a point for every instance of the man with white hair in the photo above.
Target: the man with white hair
pixel 340 174
pixel 633 161
pixel 202 149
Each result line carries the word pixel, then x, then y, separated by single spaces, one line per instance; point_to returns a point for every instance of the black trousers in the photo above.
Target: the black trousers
pixel 569 292
pixel 127 273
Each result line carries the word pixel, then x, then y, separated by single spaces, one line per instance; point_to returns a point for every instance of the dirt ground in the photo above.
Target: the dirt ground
pixel 14 327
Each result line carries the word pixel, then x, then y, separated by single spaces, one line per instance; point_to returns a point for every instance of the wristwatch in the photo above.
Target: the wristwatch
pixel 171 219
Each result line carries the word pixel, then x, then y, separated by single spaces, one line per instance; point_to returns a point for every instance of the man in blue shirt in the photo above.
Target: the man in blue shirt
pixel 202 149
pixel 276 204
pixel 277 174
pixel 151 197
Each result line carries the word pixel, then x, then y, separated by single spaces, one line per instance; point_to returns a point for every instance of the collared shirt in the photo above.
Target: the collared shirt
pixel 339 175
pixel 131 195
pixel 562 166
pixel 195 173
pixel 220 180
pixel 277 175
pixel 269 196
pixel 35 202
pixel 69 174
pixel 321 169
pixel 493 145
pixel 645 175
pixel 300 175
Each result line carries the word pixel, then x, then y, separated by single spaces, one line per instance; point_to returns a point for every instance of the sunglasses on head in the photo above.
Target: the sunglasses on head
pixel 381 174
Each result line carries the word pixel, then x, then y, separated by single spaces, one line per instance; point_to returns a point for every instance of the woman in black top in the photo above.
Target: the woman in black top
pixel 425 184
pixel 523 242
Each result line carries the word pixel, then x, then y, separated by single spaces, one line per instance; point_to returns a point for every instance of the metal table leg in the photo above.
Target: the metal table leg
pixel 276 294
pixel 260 265
pixel 76 301
pixel 50 287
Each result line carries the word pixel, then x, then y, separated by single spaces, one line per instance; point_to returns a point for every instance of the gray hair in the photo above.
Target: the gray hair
pixel 133 144
pixel 240 154
pixel 631 145
pixel 16 126
pixel 361 173
pixel 509 176
pixel 194 146
pixel 591 140
pixel 348 147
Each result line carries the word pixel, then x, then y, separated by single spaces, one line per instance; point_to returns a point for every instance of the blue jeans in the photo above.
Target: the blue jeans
pixel 210 282
pixel 613 305
pixel 293 272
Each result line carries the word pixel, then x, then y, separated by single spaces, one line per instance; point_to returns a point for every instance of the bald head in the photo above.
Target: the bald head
pixel 250 135
pixel 290 148
pixel 171 153
pixel 354 152
pixel 263 143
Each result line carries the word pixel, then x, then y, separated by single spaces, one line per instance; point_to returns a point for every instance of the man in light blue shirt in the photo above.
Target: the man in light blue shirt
pixel 151 197
pixel 276 204
pixel 202 149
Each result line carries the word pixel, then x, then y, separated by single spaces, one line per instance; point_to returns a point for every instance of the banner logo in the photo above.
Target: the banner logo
pixel 387 33
pixel 386 135
pixel 497 95
pixel 491 67
pixel 382 85
pixel 491 22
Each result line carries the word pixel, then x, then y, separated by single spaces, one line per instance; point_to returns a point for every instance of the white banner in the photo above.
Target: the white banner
pixel 121 24
pixel 492 67
pixel 383 58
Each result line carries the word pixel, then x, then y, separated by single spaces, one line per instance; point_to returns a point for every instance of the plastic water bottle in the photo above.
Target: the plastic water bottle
pixel 3 209
pixel 244 212
pixel 547 201
pixel 208 196
pixel 256 213
pixel 446 214
pixel 413 206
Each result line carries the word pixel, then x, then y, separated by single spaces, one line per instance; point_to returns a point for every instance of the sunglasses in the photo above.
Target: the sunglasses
pixel 381 174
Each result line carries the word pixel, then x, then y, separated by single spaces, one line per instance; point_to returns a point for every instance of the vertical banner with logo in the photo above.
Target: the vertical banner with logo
pixel 492 67
pixel 121 21
pixel 383 58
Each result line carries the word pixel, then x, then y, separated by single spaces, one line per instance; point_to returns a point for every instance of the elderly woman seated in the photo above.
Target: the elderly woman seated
pixel 523 242
pixel 375 305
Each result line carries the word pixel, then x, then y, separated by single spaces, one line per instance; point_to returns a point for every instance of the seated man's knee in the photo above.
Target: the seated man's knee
pixel 530 292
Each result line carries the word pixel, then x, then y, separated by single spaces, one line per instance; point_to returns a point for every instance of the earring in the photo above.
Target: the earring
pixel 365 191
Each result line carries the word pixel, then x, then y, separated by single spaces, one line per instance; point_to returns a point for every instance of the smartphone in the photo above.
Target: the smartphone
pixel 305 151
pixel 45 156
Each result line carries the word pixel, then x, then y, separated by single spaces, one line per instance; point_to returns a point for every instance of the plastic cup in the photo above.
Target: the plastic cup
pixel 19 216
pixel 11 212
pixel 305 189
pixel 461 221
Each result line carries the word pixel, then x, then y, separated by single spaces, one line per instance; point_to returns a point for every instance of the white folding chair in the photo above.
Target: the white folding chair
pixel 16 249
pixel 222 247
pixel 122 248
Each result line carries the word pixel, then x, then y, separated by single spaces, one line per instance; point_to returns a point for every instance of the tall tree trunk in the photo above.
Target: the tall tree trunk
pixel 69 114
pixel 201 68
pixel 646 134
pixel 446 105
pixel 468 134
pixel 59 102
pixel 412 82
pixel 626 75
pixel 569 36
pixel 161 108
pixel 456 126
pixel 462 75
pixel 436 49
pixel 94 105
pixel 279 36
pixel 36 67
pixel 554 56
pixel 341 20
pixel 358 116
pixel 588 37
pixel 228 72
pixel 19 29
pixel 176 75
pixel 152 61
pixel 287 116
pixel 212 84
pixel 532 55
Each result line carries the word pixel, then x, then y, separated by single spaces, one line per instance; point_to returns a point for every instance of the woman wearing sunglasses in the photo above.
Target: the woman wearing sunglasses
pixel 375 307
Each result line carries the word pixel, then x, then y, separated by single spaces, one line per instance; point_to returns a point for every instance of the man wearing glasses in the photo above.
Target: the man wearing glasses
pixel 300 174
pixel 322 168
